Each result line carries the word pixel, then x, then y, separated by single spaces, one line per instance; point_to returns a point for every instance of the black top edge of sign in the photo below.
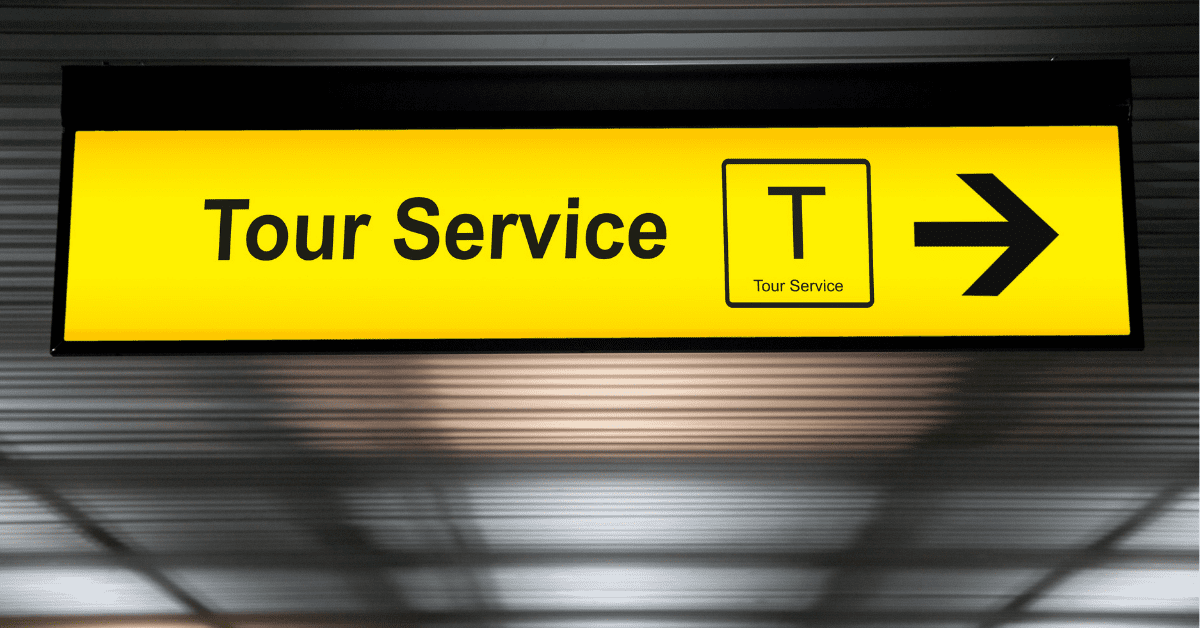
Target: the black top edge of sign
pixel 649 96
pixel 323 97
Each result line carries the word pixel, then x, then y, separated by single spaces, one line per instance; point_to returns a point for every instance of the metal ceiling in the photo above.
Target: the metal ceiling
pixel 931 489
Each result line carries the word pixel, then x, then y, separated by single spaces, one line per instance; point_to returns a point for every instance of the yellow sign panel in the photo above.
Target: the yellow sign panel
pixel 596 233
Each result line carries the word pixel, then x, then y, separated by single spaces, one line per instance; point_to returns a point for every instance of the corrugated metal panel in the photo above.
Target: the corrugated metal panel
pixel 965 489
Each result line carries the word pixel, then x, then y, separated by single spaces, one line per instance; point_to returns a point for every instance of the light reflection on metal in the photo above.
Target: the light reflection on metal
pixel 603 405
pixel 81 591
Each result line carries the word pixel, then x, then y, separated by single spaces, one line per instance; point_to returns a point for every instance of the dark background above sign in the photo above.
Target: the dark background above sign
pixel 957 94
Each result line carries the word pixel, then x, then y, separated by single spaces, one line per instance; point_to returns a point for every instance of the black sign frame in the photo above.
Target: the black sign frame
pixel 1044 93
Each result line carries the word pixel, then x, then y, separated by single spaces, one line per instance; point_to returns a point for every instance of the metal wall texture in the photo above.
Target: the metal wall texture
pixel 973 489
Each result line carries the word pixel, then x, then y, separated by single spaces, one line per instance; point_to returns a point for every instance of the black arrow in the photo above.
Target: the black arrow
pixel 1025 234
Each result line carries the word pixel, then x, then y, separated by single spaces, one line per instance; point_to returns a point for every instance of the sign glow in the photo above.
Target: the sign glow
pixel 596 233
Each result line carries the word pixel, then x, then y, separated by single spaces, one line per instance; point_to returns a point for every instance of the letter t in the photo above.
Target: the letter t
pixel 797 224
pixel 226 205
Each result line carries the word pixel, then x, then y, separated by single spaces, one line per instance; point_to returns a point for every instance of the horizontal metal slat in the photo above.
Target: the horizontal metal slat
pixel 848 17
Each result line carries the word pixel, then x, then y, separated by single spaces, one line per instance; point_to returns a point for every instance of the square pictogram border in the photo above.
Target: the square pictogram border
pixel 725 231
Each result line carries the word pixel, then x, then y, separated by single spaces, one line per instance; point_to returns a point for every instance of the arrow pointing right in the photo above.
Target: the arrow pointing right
pixel 1025 234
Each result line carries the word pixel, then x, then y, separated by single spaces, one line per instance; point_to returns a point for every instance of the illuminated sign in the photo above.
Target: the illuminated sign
pixel 594 238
